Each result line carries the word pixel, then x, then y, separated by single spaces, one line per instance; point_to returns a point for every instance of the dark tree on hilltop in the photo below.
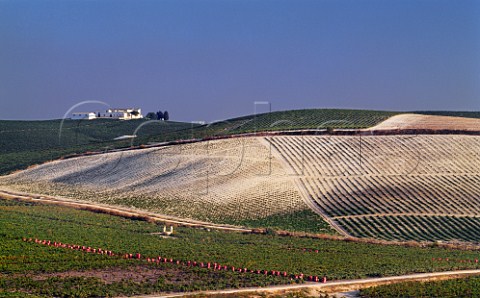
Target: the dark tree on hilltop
pixel 160 115
pixel 151 115
pixel 166 116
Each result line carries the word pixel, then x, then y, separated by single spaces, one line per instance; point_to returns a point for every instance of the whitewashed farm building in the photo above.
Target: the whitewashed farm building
pixel 123 114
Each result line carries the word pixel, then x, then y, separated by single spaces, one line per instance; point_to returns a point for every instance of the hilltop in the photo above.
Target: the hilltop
pixel 25 143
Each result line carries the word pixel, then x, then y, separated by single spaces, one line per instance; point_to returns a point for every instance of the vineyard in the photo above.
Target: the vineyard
pixel 232 181
pixel 54 134
pixel 298 119
pixel 421 187
pixel 24 143
pixel 397 187
pixel 402 187
pixel 84 244
pixel 156 260
pixel 463 287
pixel 56 269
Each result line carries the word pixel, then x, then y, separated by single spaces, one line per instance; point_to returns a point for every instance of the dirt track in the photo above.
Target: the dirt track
pixel 118 211
pixel 335 286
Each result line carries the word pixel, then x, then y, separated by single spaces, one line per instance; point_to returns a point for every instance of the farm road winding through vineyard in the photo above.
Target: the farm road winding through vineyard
pixel 119 211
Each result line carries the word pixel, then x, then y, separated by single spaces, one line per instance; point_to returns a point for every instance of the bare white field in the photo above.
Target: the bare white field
pixel 428 122
pixel 234 179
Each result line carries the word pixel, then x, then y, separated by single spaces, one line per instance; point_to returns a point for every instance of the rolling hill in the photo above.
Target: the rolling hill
pixel 25 143
pixel 397 187
pixel 223 181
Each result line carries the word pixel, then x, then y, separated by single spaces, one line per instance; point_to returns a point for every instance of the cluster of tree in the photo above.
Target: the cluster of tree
pixel 158 115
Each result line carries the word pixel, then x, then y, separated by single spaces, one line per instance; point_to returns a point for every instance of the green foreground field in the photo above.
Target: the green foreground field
pixel 463 287
pixel 41 270
pixel 298 221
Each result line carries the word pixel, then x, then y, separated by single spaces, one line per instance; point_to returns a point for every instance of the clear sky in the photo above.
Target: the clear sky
pixel 210 60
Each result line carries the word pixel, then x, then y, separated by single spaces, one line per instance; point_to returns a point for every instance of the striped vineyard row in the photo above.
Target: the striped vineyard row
pixel 418 228
pixel 425 194
pixel 390 187
pixel 332 156
pixel 293 277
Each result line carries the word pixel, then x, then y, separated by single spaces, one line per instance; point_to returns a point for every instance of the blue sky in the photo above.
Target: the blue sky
pixel 210 60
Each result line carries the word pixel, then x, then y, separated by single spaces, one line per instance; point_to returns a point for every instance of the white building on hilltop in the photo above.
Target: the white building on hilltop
pixel 123 114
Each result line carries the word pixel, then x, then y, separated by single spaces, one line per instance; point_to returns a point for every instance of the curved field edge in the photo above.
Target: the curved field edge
pixel 305 221
pixel 336 259
pixel 118 211
pixel 233 181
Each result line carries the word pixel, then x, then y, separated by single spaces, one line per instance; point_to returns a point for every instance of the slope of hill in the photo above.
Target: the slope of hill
pixel 313 119
pixel 53 134
pixel 24 143
pixel 423 187
pixel 219 181
pixel 399 187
